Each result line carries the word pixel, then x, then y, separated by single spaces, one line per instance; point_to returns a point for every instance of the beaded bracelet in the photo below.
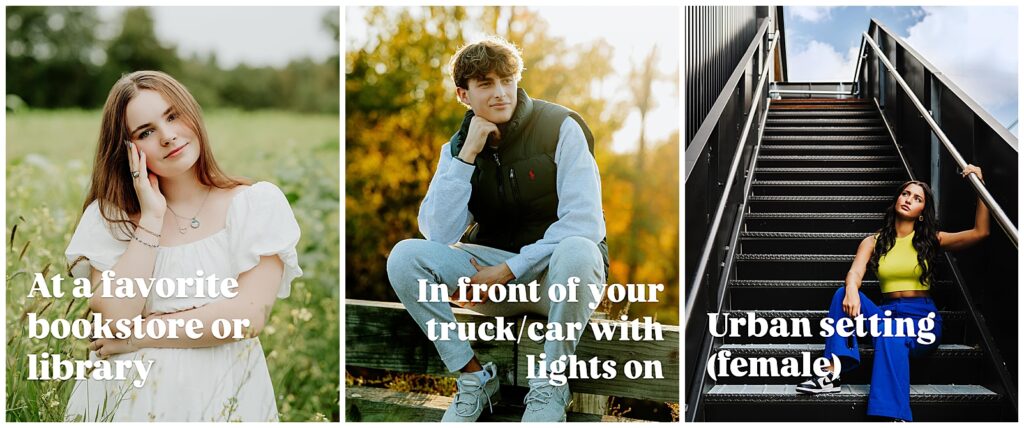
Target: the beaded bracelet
pixel 148 231
pixel 145 243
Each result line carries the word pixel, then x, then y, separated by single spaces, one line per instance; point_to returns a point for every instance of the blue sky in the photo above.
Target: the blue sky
pixel 975 46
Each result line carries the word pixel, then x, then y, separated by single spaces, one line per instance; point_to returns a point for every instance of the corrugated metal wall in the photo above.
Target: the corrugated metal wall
pixel 714 39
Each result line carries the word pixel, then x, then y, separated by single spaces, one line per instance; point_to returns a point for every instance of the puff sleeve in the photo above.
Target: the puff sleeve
pixel 262 224
pixel 93 244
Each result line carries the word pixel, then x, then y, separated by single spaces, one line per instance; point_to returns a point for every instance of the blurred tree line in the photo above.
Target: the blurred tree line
pixel 401 107
pixel 58 58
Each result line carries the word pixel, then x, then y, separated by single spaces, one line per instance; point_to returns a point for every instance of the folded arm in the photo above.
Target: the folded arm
pixel 257 292
pixel 137 261
pixel 444 212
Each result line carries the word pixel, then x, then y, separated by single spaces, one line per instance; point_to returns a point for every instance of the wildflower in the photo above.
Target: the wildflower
pixel 302 314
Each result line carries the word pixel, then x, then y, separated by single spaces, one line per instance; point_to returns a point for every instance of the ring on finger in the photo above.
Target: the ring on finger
pixel 135 174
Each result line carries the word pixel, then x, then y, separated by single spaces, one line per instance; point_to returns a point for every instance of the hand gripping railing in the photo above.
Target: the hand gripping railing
pixel 979 187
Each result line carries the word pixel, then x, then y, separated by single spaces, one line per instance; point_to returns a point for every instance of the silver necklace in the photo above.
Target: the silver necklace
pixel 195 218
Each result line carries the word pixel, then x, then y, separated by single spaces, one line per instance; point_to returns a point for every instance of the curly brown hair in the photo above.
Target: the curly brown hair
pixel 476 60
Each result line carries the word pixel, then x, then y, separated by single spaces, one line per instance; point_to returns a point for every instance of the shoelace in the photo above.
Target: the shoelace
pixel 540 396
pixel 467 395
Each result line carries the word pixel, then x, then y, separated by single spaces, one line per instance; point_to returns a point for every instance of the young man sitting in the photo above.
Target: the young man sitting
pixel 522 173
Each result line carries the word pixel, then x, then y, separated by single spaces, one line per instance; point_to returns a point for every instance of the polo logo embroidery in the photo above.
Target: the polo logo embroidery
pixel 532 176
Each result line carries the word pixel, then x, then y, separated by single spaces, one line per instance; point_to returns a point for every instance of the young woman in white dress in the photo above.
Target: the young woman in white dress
pixel 160 207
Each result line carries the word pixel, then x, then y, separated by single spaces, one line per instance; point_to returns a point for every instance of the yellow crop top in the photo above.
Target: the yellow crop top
pixel 898 269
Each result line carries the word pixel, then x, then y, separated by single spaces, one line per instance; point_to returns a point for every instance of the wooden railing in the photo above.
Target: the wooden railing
pixel 382 335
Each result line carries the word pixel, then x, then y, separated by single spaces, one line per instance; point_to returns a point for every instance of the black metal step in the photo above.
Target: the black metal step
pixel 818 203
pixel 792 266
pixel 954 323
pixel 813 222
pixel 817 187
pixel 818 114
pixel 766 403
pixel 825 161
pixel 823 107
pixel 848 173
pixel 780 284
pixel 829 121
pixel 810 294
pixel 827 183
pixel 949 364
pixel 821 101
pixel 818 143
pixel 818 129
pixel 822 142
pixel 795 258
pixel 800 242
pixel 826 149
pixel 825 138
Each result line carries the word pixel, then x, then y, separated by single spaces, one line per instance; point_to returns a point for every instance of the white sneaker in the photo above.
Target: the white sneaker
pixel 821 385
pixel 469 400
pixel 546 402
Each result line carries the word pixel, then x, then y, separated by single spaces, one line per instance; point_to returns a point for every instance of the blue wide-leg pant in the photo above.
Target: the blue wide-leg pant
pixel 889 395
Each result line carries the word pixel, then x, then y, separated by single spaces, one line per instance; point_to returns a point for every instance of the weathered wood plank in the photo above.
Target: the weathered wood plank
pixel 589 403
pixel 382 335
pixel 665 351
pixel 367 404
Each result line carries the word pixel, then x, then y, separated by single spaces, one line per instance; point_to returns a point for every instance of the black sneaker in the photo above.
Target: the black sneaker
pixel 821 385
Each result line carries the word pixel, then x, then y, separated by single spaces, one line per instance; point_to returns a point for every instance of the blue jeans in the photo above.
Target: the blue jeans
pixel 889 395
pixel 413 259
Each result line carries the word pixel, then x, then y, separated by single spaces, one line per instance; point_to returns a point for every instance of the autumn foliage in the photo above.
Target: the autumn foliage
pixel 400 107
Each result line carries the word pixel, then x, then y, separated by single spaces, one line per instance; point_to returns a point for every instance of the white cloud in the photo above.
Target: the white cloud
pixel 812 13
pixel 976 47
pixel 819 61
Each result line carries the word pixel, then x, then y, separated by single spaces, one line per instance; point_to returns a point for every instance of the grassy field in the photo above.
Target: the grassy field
pixel 49 161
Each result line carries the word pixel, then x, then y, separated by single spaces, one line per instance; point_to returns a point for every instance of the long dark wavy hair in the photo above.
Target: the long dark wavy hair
pixel 926 235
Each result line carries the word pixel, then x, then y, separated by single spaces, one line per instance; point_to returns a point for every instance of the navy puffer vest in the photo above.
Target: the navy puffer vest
pixel 514 198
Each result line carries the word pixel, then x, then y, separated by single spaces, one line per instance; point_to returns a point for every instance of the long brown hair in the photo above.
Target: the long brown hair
pixel 111 175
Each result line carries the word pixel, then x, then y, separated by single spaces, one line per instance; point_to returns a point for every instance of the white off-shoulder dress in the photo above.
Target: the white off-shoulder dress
pixel 227 382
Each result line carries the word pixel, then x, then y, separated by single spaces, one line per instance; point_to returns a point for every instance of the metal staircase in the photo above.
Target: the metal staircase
pixel 824 173
pixel 784 179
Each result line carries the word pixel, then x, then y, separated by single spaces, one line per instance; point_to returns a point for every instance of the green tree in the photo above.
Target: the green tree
pixel 641 81
pixel 48 46
pixel 401 107
pixel 137 47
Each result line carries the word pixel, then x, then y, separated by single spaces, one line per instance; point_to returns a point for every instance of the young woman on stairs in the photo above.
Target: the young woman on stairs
pixel 903 253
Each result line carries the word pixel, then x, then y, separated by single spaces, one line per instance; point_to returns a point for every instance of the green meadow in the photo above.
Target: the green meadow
pixel 49 161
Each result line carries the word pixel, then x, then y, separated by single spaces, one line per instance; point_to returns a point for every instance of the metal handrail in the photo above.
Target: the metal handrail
pixel 811 91
pixel 860 61
pixel 985 336
pixel 709 242
pixel 979 187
